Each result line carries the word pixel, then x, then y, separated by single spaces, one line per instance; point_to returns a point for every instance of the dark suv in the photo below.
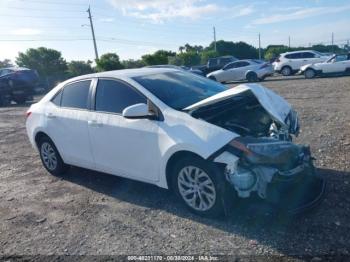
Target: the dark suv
pixel 17 84
pixel 215 64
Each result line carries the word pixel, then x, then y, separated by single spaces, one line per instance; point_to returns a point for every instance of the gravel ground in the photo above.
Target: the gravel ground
pixel 92 213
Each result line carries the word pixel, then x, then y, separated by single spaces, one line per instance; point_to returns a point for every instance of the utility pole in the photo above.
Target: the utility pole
pixel 214 38
pixel 259 48
pixel 289 42
pixel 332 42
pixel 93 33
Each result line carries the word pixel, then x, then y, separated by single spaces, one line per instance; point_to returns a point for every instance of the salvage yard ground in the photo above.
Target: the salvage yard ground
pixel 92 213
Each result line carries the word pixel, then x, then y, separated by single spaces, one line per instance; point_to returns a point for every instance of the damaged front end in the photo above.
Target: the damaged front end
pixel 278 171
pixel 263 159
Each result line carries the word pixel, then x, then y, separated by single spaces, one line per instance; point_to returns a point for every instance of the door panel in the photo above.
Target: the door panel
pixel 67 117
pixel 125 147
pixel 68 128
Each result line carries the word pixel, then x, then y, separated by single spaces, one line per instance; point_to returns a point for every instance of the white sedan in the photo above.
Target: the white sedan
pixel 251 70
pixel 209 144
pixel 336 65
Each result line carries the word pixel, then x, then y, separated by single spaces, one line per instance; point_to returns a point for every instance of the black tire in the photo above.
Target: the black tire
pixel 216 208
pixel 2 101
pixel 309 73
pixel 212 78
pixel 60 167
pixel 20 100
pixel 286 71
pixel 262 78
pixel 252 77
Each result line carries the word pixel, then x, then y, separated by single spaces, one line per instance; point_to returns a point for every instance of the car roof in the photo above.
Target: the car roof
pixel 15 68
pixel 126 73
pixel 293 52
pixel 242 60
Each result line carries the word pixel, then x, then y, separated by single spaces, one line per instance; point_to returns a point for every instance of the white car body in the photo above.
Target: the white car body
pixel 291 62
pixel 110 143
pixel 338 64
pixel 146 140
pixel 239 70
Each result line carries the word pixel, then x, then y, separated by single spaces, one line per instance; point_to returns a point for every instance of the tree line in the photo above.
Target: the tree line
pixel 52 67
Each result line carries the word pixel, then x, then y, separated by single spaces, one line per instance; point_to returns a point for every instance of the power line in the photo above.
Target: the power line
pixel 53 3
pixel 46 17
pixel 41 9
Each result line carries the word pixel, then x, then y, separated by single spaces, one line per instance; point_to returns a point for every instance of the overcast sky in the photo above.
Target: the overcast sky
pixel 132 28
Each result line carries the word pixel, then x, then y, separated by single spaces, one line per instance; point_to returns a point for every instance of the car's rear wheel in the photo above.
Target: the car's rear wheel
pixel 309 73
pixel 199 186
pixel 50 157
pixel 252 77
pixel 286 71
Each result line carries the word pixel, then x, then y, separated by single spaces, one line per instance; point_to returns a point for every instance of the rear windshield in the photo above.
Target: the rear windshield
pixel 179 89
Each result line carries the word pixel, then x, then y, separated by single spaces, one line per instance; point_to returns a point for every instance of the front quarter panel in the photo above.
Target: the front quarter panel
pixel 182 132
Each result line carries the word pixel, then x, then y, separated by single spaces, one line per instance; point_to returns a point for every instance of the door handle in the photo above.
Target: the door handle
pixel 50 115
pixel 94 123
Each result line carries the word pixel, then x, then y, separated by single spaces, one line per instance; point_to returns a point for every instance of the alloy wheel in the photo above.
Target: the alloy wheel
pixel 196 188
pixel 48 155
pixel 286 71
pixel 309 73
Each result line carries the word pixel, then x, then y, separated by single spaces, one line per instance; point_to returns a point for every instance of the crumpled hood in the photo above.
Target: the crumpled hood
pixel 275 105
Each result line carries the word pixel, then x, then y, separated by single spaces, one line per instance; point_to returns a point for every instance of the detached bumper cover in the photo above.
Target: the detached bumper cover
pixel 296 195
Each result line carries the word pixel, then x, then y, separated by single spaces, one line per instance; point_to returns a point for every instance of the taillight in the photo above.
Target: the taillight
pixel 28 113
pixel 264 65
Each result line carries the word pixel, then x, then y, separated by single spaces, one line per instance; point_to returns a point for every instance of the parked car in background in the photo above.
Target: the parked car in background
pixel 191 70
pixel 216 63
pixel 17 84
pixel 252 70
pixel 290 63
pixel 336 65
pixel 210 144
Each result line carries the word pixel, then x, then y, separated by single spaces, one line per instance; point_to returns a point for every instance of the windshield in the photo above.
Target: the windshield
pixel 331 59
pixel 179 89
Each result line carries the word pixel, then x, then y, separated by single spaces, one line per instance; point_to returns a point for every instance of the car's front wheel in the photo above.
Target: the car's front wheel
pixel 309 73
pixel 199 185
pixel 50 157
pixel 252 77
pixel 20 100
pixel 212 78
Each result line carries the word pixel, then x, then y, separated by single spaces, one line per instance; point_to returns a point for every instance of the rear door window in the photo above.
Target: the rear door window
pixel 114 96
pixel 294 56
pixel 308 55
pixel 75 95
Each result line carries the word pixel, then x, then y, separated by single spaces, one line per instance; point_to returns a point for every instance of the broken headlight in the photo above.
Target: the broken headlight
pixel 267 148
pixel 282 155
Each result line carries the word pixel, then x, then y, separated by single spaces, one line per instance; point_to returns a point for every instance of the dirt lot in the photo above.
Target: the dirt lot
pixel 92 213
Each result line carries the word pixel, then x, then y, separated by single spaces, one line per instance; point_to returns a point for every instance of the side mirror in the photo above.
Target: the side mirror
pixel 137 111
